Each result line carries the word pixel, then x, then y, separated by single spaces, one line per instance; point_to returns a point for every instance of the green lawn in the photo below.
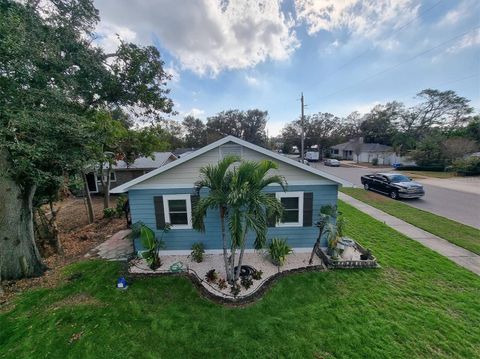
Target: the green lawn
pixel 454 232
pixel 422 174
pixel 418 305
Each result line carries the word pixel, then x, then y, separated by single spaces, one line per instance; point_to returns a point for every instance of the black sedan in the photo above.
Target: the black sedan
pixel 395 185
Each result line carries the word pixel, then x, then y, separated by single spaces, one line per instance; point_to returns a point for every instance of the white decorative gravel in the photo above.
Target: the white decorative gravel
pixel 258 260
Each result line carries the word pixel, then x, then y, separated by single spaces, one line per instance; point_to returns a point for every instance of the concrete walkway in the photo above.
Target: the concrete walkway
pixel 116 248
pixel 459 255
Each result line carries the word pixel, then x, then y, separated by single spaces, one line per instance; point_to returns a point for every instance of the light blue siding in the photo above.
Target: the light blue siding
pixel 142 209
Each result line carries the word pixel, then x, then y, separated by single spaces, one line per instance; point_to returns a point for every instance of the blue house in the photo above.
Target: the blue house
pixel 166 195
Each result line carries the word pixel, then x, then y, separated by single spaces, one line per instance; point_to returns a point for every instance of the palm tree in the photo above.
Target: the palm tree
pixel 216 178
pixel 251 206
pixel 328 214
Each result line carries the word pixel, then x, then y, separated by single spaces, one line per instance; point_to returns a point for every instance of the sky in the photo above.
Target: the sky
pixel 344 55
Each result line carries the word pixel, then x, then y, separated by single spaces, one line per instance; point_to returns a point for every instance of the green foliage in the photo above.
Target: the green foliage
pixel 468 166
pixel 121 200
pixel 278 249
pixel 198 250
pixel 247 125
pixel 109 212
pixel 375 161
pixel 151 243
pixel 222 283
pixel 246 282
pixel 334 232
pixel 257 275
pixel 211 276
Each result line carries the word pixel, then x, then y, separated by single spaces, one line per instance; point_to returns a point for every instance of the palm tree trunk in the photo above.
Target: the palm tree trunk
pixel 224 241
pixel 232 264
pixel 242 251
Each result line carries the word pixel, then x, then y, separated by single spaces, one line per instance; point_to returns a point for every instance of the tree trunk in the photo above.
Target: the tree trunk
pixel 54 230
pixel 224 241
pixel 106 187
pixel 88 198
pixel 18 251
pixel 317 243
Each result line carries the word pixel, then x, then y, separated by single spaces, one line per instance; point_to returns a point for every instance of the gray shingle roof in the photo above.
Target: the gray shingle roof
pixel 160 158
pixel 366 147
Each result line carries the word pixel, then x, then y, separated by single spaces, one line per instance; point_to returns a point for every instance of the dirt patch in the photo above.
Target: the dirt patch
pixel 77 236
pixel 76 299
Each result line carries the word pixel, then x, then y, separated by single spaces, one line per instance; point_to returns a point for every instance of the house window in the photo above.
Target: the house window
pixel 113 177
pixel 292 209
pixel 178 210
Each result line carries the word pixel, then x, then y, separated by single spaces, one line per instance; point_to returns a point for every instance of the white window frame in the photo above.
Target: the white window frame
pixel 166 209
pixel 298 195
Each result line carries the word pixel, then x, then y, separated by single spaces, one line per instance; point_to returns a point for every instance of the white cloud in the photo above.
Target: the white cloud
pixel 252 81
pixel 211 35
pixel 464 10
pixel 367 19
pixel 109 35
pixel 174 72
pixel 469 40
pixel 195 112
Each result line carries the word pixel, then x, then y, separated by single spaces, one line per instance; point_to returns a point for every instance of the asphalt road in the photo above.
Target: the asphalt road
pixel 460 206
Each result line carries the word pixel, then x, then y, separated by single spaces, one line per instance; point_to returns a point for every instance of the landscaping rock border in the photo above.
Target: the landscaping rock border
pixel 232 301
pixel 347 264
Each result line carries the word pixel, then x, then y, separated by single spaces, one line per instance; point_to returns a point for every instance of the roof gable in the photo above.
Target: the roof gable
pixel 275 156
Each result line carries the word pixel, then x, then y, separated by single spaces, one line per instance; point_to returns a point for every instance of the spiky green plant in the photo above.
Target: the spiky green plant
pixel 278 250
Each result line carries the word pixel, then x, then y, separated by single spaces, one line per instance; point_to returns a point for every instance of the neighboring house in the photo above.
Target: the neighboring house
pixel 123 172
pixel 166 195
pixel 358 151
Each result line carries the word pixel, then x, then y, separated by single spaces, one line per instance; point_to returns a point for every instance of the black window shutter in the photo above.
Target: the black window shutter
pixel 159 212
pixel 271 220
pixel 307 209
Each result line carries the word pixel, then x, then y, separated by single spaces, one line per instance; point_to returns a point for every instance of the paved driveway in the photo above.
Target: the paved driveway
pixel 461 206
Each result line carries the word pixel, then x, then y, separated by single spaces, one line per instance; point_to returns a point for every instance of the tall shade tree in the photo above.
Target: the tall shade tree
pixel 216 179
pixel 51 78
pixel 251 206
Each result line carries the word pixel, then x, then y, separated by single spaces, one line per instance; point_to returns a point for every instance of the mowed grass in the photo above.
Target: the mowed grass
pixel 423 174
pixel 418 305
pixel 460 234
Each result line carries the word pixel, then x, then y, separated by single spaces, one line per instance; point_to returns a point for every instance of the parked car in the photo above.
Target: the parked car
pixel 394 185
pixel 332 162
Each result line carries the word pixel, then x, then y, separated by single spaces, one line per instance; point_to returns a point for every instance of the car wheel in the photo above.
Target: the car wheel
pixel 394 195
pixel 366 186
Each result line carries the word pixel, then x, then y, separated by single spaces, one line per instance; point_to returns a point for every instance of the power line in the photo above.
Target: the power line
pixel 396 31
pixel 402 63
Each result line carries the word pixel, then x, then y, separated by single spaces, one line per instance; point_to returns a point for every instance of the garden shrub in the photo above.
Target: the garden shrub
pixel 109 212
pixel 197 252
pixel 375 161
pixel 468 166
pixel 278 250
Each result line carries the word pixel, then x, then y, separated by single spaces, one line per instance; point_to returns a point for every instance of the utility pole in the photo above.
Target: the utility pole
pixel 303 130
